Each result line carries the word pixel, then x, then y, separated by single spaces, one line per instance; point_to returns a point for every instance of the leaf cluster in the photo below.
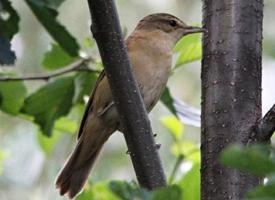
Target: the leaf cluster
pixel 258 160
pixel 57 105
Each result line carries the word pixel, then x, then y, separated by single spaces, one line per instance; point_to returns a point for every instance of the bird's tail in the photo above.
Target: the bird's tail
pixel 75 172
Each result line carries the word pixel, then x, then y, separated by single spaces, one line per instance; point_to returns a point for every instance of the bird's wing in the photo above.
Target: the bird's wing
pixel 102 100
pixel 89 105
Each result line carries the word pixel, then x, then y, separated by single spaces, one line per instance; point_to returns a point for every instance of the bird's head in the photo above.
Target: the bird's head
pixel 167 24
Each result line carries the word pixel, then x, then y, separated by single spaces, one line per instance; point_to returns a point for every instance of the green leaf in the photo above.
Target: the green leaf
pixel 47 17
pixel 98 191
pixel 70 123
pixel 189 49
pixel 57 58
pixel 89 42
pixel 122 190
pixel 173 192
pixel 50 103
pixel 263 192
pixel 9 21
pixel 66 125
pixel 253 159
pixel 190 183
pixel 174 126
pixel 189 150
pixel 54 3
pixel 128 191
pixel 12 95
pixel 167 100
pixel 84 83
pixel 47 144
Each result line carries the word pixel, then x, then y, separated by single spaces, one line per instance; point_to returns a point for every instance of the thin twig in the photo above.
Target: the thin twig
pixel 175 169
pixel 177 165
pixel 266 126
pixel 80 65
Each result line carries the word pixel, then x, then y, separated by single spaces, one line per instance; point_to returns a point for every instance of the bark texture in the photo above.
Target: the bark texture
pixel 133 116
pixel 231 91
pixel 266 126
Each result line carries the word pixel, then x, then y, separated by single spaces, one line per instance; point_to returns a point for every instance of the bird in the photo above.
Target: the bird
pixel 150 50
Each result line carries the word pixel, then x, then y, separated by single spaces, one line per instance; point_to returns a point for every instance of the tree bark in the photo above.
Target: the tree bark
pixel 266 126
pixel 231 91
pixel 133 116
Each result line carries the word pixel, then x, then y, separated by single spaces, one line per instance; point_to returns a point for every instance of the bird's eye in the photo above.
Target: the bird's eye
pixel 172 23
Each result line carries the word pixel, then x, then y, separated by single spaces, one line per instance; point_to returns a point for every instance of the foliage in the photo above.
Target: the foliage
pixel 167 99
pixel 9 21
pixel 187 153
pixel 186 186
pixel 189 49
pixel 57 105
pixel 174 126
pixel 83 83
pixel 190 183
pixel 122 190
pixel 12 95
pixel 57 97
pixel 47 17
pixel 57 58
pixel 258 160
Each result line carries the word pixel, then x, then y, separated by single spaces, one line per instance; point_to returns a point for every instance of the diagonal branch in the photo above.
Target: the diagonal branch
pixel 132 112
pixel 80 65
pixel 266 126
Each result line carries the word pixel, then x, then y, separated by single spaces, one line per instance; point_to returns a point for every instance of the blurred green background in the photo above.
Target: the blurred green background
pixel 29 161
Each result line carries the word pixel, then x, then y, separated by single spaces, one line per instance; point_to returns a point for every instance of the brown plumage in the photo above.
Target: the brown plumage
pixel 150 51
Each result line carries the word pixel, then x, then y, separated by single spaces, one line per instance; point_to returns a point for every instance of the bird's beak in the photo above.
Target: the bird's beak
pixel 193 29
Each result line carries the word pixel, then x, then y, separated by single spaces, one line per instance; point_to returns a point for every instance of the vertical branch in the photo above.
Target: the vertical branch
pixel 231 90
pixel 133 116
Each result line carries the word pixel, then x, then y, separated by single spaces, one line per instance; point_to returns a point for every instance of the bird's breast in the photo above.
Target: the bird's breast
pixel 151 69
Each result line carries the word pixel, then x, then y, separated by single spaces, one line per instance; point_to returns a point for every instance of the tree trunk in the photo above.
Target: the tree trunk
pixel 231 91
